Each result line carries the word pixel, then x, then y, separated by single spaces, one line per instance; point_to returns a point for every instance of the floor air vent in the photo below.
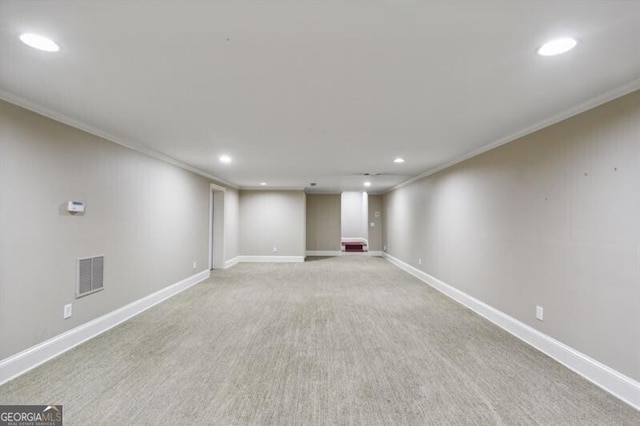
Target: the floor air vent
pixel 90 275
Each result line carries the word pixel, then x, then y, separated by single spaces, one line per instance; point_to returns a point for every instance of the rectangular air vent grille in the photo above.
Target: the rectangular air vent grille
pixel 90 275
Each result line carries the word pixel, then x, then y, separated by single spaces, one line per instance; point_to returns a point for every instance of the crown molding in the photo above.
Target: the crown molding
pixel 594 102
pixel 17 100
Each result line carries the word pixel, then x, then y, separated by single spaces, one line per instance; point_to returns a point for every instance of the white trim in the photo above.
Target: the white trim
pixel 231 262
pixel 32 357
pixel 271 188
pixel 612 381
pixel 585 106
pixel 342 253
pixel 310 191
pixel 362 253
pixel 596 101
pixel 323 253
pixel 271 258
pixel 214 187
pixel 62 118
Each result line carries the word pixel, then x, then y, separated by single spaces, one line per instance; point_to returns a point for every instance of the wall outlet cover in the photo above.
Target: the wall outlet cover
pixel 67 311
pixel 540 313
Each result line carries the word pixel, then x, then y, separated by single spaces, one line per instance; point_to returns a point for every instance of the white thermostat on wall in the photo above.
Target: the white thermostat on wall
pixel 75 207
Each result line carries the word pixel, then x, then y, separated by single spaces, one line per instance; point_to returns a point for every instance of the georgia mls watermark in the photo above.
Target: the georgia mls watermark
pixel 30 415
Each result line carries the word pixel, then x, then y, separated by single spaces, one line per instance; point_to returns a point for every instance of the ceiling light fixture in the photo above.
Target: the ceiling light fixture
pixel 225 159
pixel 39 42
pixel 367 184
pixel 556 47
pixel 398 160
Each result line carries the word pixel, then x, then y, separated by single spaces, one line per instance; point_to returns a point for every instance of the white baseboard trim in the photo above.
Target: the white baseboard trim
pixel 341 253
pixel 32 357
pixel 612 381
pixel 268 259
pixel 231 262
pixel 358 253
pixel 323 253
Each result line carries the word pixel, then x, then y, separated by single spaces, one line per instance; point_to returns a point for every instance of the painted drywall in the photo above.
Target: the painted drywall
pixel 323 222
pixel 550 219
pixel 354 213
pixel 148 218
pixel 375 231
pixel 271 219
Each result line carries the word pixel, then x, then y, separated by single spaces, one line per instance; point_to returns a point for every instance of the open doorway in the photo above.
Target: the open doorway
pixel 354 222
pixel 216 227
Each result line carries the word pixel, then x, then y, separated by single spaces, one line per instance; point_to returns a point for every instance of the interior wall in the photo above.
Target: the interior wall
pixel 271 219
pixel 375 231
pixel 148 218
pixel 354 213
pixel 551 219
pixel 323 222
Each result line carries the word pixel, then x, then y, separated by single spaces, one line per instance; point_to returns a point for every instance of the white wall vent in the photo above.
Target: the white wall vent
pixel 90 275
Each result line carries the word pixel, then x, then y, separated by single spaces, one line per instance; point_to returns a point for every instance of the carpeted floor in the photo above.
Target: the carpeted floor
pixel 346 340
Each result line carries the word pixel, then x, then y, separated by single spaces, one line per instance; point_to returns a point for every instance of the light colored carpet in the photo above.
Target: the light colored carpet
pixel 347 340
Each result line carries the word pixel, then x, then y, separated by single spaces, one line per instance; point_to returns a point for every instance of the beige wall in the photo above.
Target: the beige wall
pixel 323 222
pixel 272 219
pixel 375 232
pixel 552 219
pixel 148 218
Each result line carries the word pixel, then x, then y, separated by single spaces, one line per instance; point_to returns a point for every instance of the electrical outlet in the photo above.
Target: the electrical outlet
pixel 373 224
pixel 540 313
pixel 419 261
pixel 275 249
pixel 384 248
pixel 67 311
pixel 195 265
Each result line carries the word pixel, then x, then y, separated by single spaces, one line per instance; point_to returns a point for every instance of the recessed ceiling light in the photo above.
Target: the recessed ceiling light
pixel 398 160
pixel 225 159
pixel 263 183
pixel 558 46
pixel 39 42
pixel 367 184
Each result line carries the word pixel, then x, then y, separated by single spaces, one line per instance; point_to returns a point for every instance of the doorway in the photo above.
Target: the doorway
pixel 216 227
pixel 354 222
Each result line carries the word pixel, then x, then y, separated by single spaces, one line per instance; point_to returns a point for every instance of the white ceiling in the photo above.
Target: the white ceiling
pixel 300 92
